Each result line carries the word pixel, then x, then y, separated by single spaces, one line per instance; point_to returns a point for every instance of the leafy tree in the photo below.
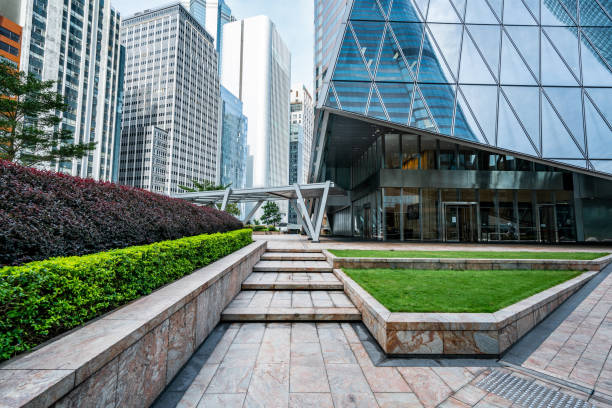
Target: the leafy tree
pixel 271 213
pixel 30 130
pixel 206 185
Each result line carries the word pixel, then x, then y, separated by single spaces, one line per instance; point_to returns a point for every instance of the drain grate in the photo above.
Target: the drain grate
pixel 527 393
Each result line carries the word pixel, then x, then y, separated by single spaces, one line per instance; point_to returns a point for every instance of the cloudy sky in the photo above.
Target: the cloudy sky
pixel 293 19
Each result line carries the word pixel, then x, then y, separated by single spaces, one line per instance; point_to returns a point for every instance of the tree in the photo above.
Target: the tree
pixel 230 208
pixel 271 213
pixel 30 131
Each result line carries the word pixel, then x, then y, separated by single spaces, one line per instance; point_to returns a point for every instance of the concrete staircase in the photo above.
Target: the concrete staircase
pixel 291 285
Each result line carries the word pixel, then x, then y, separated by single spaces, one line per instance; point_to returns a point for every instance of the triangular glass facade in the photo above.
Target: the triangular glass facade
pixel 527 76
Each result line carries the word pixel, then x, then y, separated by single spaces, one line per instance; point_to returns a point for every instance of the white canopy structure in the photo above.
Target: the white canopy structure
pixel 300 197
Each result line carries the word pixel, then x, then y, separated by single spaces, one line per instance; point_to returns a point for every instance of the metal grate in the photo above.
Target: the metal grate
pixel 527 393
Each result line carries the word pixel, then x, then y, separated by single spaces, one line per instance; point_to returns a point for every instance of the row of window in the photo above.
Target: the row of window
pixel 9 34
pixel 9 48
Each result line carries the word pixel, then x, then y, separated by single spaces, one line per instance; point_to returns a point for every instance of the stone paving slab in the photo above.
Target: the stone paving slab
pixel 325 365
pixel 579 349
pixel 292 281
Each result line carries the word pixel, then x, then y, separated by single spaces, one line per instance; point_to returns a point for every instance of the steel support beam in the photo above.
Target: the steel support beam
pixel 301 218
pixel 304 212
pixel 251 213
pixel 321 212
pixel 226 195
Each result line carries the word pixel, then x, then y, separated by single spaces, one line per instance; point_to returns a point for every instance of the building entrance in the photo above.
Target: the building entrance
pixel 460 222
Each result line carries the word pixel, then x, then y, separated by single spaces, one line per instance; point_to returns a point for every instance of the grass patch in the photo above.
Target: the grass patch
pixel 359 253
pixel 446 291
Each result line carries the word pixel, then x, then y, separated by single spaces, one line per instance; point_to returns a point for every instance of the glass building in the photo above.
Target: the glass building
pixel 467 120
pixel 233 146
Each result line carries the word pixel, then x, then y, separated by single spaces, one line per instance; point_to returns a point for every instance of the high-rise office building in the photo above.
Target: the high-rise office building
pixel 257 68
pixel 10 35
pixel 301 127
pixel 76 44
pixel 171 98
pixel 467 121
pixel 233 145
pixel 212 15
pixel 329 27
pixel 300 138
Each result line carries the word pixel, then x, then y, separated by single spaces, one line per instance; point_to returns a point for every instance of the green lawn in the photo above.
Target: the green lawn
pixel 358 253
pixel 445 291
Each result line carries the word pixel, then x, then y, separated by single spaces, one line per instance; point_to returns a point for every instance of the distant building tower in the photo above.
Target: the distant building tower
pixel 300 138
pixel 77 44
pixel 233 146
pixel 257 67
pixel 171 109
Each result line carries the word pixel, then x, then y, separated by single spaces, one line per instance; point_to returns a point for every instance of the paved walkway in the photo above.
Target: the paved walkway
pixel 579 349
pixel 325 364
pixel 287 241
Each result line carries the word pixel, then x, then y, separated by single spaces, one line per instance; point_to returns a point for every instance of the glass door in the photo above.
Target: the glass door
pixel 460 222
pixel 547 227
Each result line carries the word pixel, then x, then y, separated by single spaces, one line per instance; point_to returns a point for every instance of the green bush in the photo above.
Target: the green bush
pixel 260 228
pixel 272 229
pixel 43 299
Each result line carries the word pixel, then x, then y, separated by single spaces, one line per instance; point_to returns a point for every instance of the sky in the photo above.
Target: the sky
pixel 293 19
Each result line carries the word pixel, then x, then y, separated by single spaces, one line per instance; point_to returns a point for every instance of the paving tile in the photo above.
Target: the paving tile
pixel 221 400
pixel 308 378
pixel 453 403
pixel 380 379
pixel 493 401
pixel 346 378
pixel 454 377
pixel 269 386
pixel 219 352
pixel 241 354
pixel 304 333
pixel 356 400
pixel 470 394
pixel 310 400
pixel 426 384
pixel 336 351
pixel 230 380
pixel 194 393
pixel 349 333
pixel 250 333
pixel 281 299
pixel 301 299
pixel 397 400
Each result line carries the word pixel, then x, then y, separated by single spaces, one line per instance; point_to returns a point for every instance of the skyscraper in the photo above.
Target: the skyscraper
pixel 170 127
pixel 212 15
pixel 467 121
pixel 301 127
pixel 257 67
pixel 77 44
pixel 233 146
pixel 10 35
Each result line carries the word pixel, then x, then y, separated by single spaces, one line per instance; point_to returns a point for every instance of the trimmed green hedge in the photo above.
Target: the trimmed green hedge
pixel 43 299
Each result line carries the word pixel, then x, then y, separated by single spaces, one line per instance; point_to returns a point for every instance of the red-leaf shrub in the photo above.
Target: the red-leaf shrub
pixel 45 214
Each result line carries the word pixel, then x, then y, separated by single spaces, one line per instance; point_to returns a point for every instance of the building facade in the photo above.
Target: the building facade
pixel 469 121
pixel 10 41
pixel 171 97
pixel 300 138
pixel 212 15
pixel 233 146
pixel 76 44
pixel 257 68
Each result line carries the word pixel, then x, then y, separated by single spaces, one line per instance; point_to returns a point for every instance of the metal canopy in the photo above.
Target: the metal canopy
pixel 297 195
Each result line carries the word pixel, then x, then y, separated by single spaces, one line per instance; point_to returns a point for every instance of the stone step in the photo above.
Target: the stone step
pixel 292 266
pixel 257 299
pixel 296 285
pixel 292 281
pixel 293 256
pixel 246 314
pixel 296 250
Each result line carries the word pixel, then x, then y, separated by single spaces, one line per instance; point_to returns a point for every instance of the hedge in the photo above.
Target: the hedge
pixel 46 214
pixel 43 299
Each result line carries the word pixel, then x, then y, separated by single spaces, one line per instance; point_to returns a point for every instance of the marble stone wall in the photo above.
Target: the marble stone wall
pixel 126 358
